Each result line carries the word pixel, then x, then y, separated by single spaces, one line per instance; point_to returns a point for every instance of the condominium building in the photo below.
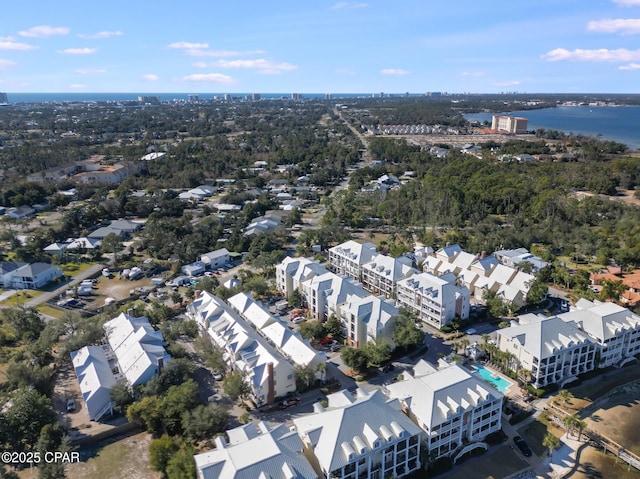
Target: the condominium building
pixel 347 258
pixel 255 451
pixel 380 275
pixel 452 405
pixel 292 271
pixel 435 299
pixel 554 350
pixel 614 328
pixel 323 293
pixel 362 436
pixel 267 372
pixel 367 319
pixel 509 124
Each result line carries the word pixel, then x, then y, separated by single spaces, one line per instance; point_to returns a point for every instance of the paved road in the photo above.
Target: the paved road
pixel 43 298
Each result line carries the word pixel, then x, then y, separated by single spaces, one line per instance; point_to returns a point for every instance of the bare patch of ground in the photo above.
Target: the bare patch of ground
pixel 594 464
pixel 117 288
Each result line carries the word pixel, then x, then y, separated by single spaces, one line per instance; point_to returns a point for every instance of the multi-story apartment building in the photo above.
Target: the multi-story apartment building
pixel 367 319
pixel 255 451
pixel 267 372
pixel 554 350
pixel 292 271
pixel 323 293
pixel 509 124
pixel 452 405
pixel 435 299
pixel 366 436
pixel 347 258
pixel 614 328
pixel 380 275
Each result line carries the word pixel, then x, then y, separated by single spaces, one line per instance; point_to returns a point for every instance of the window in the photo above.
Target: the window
pixel 290 376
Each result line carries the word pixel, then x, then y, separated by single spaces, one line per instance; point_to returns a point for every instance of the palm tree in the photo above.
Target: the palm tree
pixel 550 442
pixel 570 421
pixel 565 396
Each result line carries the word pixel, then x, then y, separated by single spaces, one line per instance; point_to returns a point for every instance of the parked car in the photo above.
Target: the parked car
pixel 298 319
pixel 289 402
pixel 71 405
pixel 216 375
pixel 523 446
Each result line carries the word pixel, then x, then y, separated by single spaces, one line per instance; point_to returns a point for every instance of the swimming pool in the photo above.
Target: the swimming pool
pixel 500 383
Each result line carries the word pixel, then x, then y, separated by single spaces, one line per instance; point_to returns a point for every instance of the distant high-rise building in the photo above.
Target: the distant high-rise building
pixel 3 98
pixel 192 98
pixel 255 96
pixel 227 97
pixel 509 124
pixel 153 100
pixel 328 96
pixel 295 96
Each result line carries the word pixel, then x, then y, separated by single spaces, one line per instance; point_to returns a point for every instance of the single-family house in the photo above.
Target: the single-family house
pixel 21 212
pixel 34 275
pixel 194 269
pixel 215 259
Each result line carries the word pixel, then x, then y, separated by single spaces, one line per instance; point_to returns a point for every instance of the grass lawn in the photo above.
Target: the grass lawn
pixel 21 297
pixel 71 269
pixel 127 458
pixel 49 311
pixel 534 432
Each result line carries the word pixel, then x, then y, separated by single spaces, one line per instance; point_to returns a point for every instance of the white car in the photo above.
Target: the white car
pixel 298 319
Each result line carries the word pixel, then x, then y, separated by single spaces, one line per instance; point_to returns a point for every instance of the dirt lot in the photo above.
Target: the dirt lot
pixel 592 461
pixel 116 288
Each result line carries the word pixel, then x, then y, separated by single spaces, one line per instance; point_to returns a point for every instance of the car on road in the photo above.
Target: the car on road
pixel 287 403
pixel 470 331
pixel 298 319
pixel 523 446
pixel 71 405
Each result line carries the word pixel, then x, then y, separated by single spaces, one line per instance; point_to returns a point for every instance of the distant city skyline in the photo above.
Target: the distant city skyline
pixel 546 46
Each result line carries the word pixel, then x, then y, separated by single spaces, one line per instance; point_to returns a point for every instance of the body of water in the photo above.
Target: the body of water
pixel 498 382
pixel 619 123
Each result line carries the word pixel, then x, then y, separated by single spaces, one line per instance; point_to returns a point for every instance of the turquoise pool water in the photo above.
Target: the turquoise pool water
pixel 498 382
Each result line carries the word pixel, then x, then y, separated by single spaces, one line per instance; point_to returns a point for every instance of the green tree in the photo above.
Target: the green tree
pixel 205 421
pixel 112 243
pixel 28 414
pixel 182 464
pixel 235 386
pixel 177 400
pixel 356 359
pixel 537 291
pixel 147 413
pixel 612 289
pixel 333 326
pixel 305 376
pixel 377 352
pixel 26 322
pixel 405 334
pixel 51 438
pixel 161 451
pixel 121 395
pixel 551 442
pixel 212 355
pixel 312 330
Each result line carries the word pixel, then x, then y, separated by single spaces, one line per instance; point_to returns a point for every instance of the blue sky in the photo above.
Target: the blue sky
pixel 361 46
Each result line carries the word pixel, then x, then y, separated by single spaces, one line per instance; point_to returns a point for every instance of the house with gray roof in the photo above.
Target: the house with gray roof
pixel 256 451
pixel 361 436
pixel 34 275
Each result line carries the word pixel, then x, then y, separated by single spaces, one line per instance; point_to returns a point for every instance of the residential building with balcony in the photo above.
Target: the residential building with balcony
pixel 614 328
pixel 554 350
pixel 367 319
pixel 347 258
pixel 452 405
pixel 380 275
pixel 322 294
pixel 255 451
pixel 292 271
pixel 362 436
pixel 435 299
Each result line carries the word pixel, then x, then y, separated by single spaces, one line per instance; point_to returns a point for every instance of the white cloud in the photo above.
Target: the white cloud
pixel 507 83
pixel 101 35
pixel 8 44
pixel 150 77
pixel 601 55
pixel 77 86
pixel 627 3
pixel 78 51
pixel 630 66
pixel 188 45
pixel 221 53
pixel 43 31
pixel 261 65
pixel 90 71
pixel 200 64
pixel 5 64
pixel 623 26
pixel 394 71
pixel 472 74
pixel 209 78
pixel 350 5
